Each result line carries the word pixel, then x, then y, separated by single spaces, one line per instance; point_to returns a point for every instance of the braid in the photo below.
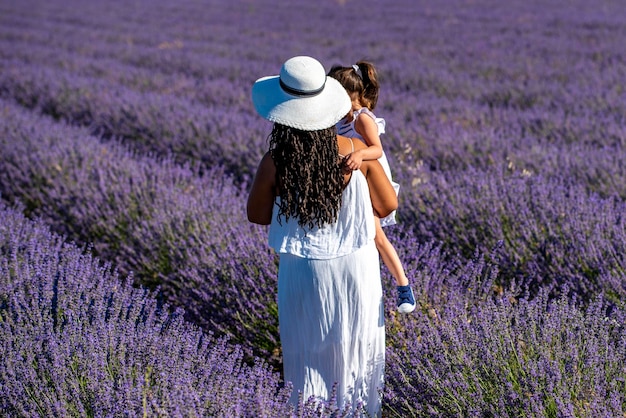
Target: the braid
pixel 308 175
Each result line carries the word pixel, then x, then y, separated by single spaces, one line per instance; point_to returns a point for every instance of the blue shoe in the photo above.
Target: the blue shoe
pixel 406 299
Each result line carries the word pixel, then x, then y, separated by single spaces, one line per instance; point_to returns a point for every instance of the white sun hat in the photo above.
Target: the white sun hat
pixel 302 96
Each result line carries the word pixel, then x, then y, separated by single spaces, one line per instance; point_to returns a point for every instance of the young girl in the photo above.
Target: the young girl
pixel 361 83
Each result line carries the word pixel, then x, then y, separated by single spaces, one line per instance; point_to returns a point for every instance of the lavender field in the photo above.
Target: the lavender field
pixel 131 283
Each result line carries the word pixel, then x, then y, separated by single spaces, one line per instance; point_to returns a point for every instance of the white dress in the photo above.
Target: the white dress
pixel 330 304
pixel 347 129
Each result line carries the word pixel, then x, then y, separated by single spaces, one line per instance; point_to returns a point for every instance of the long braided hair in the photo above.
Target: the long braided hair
pixel 308 174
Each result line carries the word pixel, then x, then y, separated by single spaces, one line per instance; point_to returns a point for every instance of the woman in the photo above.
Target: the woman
pixel 321 219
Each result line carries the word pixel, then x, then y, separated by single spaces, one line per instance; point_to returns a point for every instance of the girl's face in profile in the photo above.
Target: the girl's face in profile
pixel 356 105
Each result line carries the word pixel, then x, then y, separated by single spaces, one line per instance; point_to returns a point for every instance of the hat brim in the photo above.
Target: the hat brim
pixel 308 113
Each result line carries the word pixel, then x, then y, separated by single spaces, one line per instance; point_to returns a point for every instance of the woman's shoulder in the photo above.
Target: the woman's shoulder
pixel 347 145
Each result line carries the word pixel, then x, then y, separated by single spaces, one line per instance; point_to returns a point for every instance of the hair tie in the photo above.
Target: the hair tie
pixel 357 70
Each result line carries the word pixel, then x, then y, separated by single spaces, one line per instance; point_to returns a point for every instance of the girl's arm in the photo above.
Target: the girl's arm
pixel 263 192
pixel 368 129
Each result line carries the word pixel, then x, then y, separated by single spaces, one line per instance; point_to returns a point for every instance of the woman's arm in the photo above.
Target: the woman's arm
pixel 263 192
pixel 382 193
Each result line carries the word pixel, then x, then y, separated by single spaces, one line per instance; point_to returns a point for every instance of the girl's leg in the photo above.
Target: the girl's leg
pixel 389 255
pixel 406 298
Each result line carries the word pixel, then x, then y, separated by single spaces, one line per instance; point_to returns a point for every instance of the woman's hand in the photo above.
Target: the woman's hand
pixel 382 193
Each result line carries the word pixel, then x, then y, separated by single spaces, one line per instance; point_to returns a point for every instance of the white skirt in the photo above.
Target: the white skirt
pixel 332 329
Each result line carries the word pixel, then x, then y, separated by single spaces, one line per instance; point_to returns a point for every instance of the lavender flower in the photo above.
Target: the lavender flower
pixel 78 341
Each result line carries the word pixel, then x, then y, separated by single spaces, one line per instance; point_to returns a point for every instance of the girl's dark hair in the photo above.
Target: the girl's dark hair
pixel 308 174
pixel 365 86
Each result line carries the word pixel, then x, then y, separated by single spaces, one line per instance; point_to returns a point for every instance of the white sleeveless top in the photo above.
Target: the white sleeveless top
pixel 347 128
pixel 353 229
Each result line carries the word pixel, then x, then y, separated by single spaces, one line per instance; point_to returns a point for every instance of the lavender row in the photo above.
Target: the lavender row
pixel 148 217
pixel 93 344
pixel 468 211
pixel 77 341
pixel 587 146
pixel 541 232
pixel 477 348
pixel 508 134
pixel 60 165
pixel 149 122
pixel 494 44
pixel 585 149
pixel 510 358
pixel 438 284
pixel 165 224
pixel 504 123
pixel 515 67
pixel 558 107
pixel 499 65
pixel 519 260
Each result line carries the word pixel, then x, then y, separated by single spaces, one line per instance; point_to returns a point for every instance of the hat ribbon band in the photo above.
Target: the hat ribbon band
pixel 296 92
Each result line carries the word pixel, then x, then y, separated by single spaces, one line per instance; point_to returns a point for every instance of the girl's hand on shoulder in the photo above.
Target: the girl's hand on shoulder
pixel 354 160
